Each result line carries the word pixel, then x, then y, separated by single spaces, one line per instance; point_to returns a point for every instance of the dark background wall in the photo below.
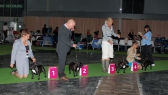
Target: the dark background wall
pixel 74 5
pixel 156 7
pixel 36 5
pixel 132 9
pixel 84 5
pixel 11 8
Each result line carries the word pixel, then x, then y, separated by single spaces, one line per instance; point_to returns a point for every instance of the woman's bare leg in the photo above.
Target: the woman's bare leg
pixel 17 75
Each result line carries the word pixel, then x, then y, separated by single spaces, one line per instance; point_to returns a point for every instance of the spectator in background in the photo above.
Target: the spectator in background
pixel 131 35
pixel 159 42
pixel 73 33
pixel 49 30
pixel 96 33
pixel 5 30
pixel 44 30
pixel 56 31
pixel 135 38
pixel 89 38
pixel 88 33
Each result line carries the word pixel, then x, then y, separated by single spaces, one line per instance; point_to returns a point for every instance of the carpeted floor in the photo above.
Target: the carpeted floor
pixel 94 70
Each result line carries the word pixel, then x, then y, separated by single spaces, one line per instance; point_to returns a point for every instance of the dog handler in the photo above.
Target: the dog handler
pixel 20 52
pixel 147 44
pixel 63 46
pixel 107 43
pixel 132 54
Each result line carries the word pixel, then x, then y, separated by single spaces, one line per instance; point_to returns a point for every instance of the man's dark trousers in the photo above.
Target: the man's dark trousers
pixel 62 60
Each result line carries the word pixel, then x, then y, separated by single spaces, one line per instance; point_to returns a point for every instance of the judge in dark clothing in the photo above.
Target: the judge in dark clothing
pixel 63 46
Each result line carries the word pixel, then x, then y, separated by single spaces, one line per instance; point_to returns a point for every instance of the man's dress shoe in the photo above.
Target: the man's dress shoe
pixel 64 78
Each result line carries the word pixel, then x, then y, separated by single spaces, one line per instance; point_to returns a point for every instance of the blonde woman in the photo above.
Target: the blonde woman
pixel 132 54
pixel 107 43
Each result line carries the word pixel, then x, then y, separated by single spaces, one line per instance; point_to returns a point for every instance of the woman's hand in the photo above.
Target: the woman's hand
pixel 34 60
pixel 138 58
pixel 138 55
pixel 11 65
pixel 110 41
pixel 140 33
pixel 118 36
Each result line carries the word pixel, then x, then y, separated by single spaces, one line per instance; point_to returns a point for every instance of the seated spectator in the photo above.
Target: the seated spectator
pixel 135 38
pixel 132 54
pixel 131 35
pixel 88 33
pixel 159 42
pixel 96 33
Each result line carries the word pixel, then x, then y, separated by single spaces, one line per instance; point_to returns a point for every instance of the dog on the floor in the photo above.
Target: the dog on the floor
pixel 145 63
pixel 121 65
pixel 75 67
pixel 37 69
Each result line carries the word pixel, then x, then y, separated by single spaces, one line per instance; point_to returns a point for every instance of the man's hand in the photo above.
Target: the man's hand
pixel 119 36
pixel 74 45
pixel 34 60
pixel 111 42
pixel 11 65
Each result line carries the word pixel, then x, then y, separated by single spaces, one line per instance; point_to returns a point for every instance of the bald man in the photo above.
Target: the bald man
pixel 64 45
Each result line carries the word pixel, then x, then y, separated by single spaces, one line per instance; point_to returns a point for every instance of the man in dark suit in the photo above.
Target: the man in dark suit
pixel 63 46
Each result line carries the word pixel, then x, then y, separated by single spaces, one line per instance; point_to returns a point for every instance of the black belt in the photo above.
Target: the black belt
pixel 147 45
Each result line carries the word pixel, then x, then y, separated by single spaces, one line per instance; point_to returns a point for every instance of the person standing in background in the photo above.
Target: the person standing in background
pixel 107 43
pixel 5 30
pixel 44 30
pixel 147 44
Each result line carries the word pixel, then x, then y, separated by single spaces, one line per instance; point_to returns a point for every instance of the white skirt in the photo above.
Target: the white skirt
pixel 107 50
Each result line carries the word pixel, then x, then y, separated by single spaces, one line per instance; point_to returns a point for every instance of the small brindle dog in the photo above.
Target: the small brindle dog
pixel 145 63
pixel 121 65
pixel 36 70
pixel 75 67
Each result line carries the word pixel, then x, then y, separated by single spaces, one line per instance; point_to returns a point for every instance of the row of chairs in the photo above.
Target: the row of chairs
pixel 96 43
pixel 129 43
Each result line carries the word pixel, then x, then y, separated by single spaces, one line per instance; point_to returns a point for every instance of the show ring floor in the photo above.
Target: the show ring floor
pixel 151 82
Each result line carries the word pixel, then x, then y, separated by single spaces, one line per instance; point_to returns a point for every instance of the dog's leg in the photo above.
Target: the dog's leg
pixel 146 67
pixel 77 72
pixel 32 75
pixel 150 66
pixel 74 73
pixel 44 71
pixel 69 70
pixel 118 69
pixel 38 76
pixel 142 67
pixel 124 70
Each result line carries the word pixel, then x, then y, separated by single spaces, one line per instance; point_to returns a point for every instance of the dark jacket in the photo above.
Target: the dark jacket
pixel 64 39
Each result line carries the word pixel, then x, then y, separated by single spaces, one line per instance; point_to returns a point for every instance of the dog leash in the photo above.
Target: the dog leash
pixel 76 54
